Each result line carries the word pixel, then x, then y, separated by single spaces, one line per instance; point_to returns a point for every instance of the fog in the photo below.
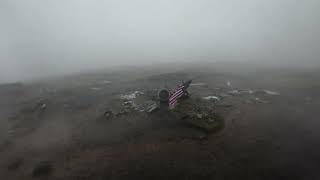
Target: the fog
pixel 43 38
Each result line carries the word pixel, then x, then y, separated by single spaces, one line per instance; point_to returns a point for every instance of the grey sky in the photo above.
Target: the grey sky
pixel 44 37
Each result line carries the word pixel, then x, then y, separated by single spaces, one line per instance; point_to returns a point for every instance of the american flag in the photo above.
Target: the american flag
pixel 175 94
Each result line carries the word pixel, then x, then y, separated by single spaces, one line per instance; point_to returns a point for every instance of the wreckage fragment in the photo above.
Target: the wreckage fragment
pixel 214 98
pixel 273 93
pixel 131 96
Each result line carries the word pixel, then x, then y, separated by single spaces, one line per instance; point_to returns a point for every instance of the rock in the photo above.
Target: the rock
pixel 199 116
pixel 122 112
pixel 108 114
pixel 15 164
pixel 43 106
pixel 43 168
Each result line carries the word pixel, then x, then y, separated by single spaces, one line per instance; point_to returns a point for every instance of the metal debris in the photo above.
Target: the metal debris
pixel 131 96
pixel 153 107
pixel 40 105
pixel 215 98
pixel 273 93
pixel 234 92
pixel 250 91
pixel 223 95
pixel 147 106
pixel 43 106
pixel 260 101
pixel 198 84
pixel 143 104
pixel 95 89
pixel 106 82
pixel 228 83
pixel 238 92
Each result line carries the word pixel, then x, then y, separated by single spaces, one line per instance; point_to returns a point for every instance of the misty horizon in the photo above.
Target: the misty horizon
pixel 45 38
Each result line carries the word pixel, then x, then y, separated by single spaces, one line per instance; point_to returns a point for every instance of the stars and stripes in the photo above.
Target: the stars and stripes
pixel 175 94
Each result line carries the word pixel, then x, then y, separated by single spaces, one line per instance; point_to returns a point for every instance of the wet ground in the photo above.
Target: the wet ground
pixel 56 129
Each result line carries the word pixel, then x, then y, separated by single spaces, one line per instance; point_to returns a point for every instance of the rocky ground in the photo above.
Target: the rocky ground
pixel 96 125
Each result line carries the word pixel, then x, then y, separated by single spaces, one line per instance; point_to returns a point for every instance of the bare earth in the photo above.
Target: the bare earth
pixel 55 129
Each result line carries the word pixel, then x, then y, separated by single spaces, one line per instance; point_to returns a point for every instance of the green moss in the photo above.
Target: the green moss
pixel 200 114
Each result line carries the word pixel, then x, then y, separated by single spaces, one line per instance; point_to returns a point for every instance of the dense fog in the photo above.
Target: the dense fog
pixel 42 38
